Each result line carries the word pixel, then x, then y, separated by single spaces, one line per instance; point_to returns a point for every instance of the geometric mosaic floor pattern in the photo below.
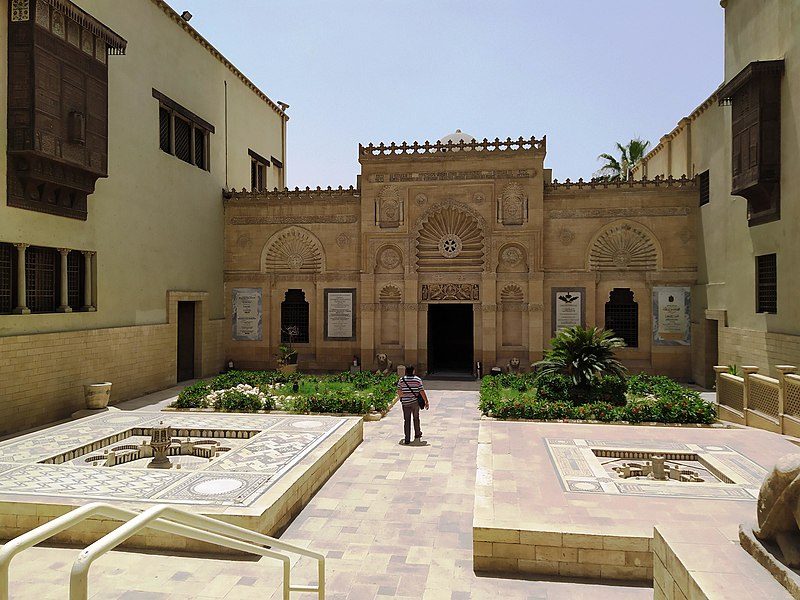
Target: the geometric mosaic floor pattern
pixel 266 447
pixel 578 465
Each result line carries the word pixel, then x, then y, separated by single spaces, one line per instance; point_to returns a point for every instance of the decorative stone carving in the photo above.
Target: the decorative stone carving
pixel 536 307
pixel 623 247
pixel 450 291
pixel 450 245
pixel 566 236
pixel 293 249
pixel 489 308
pixel 244 241
pixel 342 240
pixel 299 219
pixel 610 213
pixel 512 204
pixel 390 293
pixel 390 258
pixel 512 293
pixel 389 207
pixel 421 199
pixel 685 235
pixel 779 508
pixel 449 238
pixel 478 198
pixel 511 256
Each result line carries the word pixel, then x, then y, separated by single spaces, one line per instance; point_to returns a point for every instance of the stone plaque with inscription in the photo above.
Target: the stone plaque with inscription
pixel 568 308
pixel 672 316
pixel 340 321
pixel 247 314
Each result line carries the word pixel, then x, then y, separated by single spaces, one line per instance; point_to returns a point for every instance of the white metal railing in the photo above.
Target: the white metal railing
pixel 164 518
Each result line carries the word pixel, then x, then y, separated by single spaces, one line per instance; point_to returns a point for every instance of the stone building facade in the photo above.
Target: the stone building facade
pixel 457 253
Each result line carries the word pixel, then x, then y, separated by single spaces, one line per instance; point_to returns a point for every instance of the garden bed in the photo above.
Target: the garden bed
pixel 362 393
pixel 637 399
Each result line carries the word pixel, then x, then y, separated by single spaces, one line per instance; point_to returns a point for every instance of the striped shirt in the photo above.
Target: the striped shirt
pixel 407 386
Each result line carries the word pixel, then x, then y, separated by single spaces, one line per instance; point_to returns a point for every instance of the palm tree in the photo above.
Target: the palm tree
pixel 582 354
pixel 629 155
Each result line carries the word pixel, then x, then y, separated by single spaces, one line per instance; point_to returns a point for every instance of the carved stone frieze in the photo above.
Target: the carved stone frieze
pixel 488 308
pixel 450 291
pixel 535 307
pixel 414 307
pixel 606 213
pixel 389 207
pixel 368 307
pixel 453 176
pixel 293 220
pixel 512 204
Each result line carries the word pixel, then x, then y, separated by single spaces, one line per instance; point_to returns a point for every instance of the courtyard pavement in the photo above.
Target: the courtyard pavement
pixel 394 522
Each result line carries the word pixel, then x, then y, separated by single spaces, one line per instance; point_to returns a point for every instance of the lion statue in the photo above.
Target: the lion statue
pixel 779 508
pixel 384 363
pixel 513 365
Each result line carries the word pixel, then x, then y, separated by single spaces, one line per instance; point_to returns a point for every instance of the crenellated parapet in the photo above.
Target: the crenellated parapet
pixel 417 149
pixel 297 194
pixel 602 184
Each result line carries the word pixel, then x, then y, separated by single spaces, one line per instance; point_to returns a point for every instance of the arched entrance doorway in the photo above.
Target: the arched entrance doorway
pixel 450 340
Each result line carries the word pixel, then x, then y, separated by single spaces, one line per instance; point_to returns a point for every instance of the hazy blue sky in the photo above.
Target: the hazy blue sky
pixel 585 73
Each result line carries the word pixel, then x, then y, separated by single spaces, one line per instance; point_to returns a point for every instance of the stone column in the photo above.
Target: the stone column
pixel 719 370
pixel 22 307
pixel 88 286
pixel 64 307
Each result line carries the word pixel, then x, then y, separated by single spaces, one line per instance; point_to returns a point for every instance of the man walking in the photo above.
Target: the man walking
pixel 409 388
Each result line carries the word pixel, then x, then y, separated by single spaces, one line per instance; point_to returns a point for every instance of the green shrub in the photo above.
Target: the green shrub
pixel 553 387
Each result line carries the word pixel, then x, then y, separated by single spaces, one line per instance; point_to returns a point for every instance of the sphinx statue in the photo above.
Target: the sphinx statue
pixel 513 365
pixel 779 509
pixel 384 363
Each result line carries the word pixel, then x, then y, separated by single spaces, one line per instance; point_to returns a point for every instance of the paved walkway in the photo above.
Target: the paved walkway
pixel 394 522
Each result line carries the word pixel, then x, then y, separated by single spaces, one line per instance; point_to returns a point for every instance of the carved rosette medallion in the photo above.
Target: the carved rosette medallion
pixel 342 240
pixel 450 245
pixel 295 261
pixel 478 198
pixel 20 11
pixel 244 241
pixel 685 235
pixel 450 291
pixel 421 199
pixel 566 236
pixel 511 256
pixel 390 258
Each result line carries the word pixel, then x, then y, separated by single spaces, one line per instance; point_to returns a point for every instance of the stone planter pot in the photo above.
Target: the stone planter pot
pixel 97 394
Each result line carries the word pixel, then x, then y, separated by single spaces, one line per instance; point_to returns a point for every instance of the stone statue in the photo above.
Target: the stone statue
pixel 779 508
pixel 384 363
pixel 513 365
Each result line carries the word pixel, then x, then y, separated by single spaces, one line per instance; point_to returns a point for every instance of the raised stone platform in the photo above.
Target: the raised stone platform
pixel 272 465
pixel 546 504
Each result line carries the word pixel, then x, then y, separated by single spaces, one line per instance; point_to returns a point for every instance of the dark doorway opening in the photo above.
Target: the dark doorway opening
pixel 450 339
pixel 185 341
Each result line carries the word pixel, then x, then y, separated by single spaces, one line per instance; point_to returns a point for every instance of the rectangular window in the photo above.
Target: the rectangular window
pixel 182 133
pixel 75 280
pixel 258 172
pixel 703 187
pixel 41 279
pixel 7 278
pixel 767 284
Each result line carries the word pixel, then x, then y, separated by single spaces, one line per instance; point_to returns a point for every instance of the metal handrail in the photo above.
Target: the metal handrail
pixel 163 518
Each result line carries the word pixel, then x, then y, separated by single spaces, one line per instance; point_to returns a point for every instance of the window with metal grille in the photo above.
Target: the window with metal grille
pixel 767 283
pixel 294 317
pixel 41 279
pixel 7 277
pixel 164 126
pixel 182 133
pixel 258 171
pixel 703 187
pixel 75 280
pixel 183 140
pixel 622 316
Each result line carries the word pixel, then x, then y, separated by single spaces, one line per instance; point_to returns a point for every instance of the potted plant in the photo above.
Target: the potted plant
pixel 287 355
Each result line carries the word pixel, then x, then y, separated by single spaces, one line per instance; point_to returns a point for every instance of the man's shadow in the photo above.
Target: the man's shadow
pixel 413 443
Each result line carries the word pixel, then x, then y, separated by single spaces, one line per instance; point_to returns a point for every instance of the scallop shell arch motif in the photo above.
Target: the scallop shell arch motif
pixel 390 293
pixel 450 239
pixel 512 293
pixel 293 250
pixel 623 247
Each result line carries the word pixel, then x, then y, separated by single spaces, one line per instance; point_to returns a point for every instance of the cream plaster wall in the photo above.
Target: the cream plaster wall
pixel 759 30
pixel 156 224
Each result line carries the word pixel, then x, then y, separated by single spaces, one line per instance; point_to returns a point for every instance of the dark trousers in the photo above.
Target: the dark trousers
pixel 409 410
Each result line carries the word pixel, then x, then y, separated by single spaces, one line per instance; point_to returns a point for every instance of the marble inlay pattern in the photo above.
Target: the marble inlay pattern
pixel 266 447
pixel 579 470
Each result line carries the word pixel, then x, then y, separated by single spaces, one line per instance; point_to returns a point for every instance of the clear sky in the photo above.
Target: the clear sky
pixel 584 73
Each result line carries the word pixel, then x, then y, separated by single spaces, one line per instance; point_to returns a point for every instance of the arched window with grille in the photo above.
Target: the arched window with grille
pixel 622 316
pixel 294 317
